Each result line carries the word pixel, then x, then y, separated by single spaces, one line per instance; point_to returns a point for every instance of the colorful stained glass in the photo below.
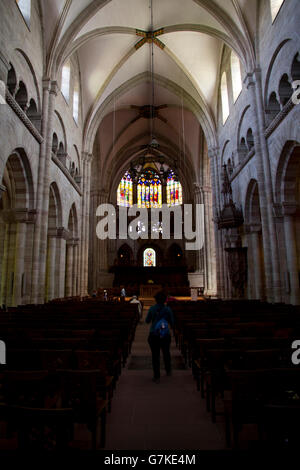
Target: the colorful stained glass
pixel 149 190
pixel 125 191
pixel 149 258
pixel 174 191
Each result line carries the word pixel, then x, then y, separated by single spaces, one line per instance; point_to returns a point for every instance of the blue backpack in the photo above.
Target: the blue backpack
pixel 161 328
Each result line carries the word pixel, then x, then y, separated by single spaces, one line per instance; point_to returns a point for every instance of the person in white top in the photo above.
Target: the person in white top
pixel 135 300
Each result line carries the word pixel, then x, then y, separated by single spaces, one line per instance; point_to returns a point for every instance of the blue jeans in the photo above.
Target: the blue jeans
pixel 156 344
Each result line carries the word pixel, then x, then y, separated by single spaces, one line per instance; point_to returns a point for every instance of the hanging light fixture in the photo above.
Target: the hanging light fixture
pixel 150 156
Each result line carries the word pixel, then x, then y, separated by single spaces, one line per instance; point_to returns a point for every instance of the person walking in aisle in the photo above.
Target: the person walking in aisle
pixel 160 316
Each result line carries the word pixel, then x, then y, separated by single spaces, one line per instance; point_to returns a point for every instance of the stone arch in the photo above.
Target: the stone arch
pixel 32 77
pixel 54 143
pixel 12 80
pixel 53 260
pixel 273 107
pixel 33 114
pixel 243 149
pixel 252 206
pixel 22 96
pixel 295 69
pixel 128 152
pixel 95 118
pixel 271 67
pixel 61 130
pixel 125 255
pixel 16 230
pixel 285 89
pixel 287 171
pixel 256 271
pixel 175 256
pixel 250 139
pixel 287 195
pixel 242 126
pixel 72 252
pixel 19 173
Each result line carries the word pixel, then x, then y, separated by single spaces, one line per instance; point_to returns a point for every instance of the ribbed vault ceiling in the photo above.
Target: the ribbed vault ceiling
pixel 108 37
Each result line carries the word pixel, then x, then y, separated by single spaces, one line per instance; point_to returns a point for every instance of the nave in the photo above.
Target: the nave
pixel 165 416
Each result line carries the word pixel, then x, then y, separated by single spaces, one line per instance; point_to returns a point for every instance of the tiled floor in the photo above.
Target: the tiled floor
pixel 165 416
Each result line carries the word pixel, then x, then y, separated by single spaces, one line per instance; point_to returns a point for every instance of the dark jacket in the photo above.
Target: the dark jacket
pixel 156 313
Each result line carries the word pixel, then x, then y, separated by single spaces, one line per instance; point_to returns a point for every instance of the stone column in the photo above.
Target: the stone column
pixel 102 248
pixel 4 270
pixel 60 265
pixel 211 258
pixel 4 67
pixel 29 250
pixel 289 211
pixel 263 167
pixel 84 242
pixel 220 279
pixel 51 262
pixel 11 262
pixel 19 264
pixel 254 250
pixel 46 132
pixel 69 268
pixel 46 190
pixel 75 268
pixel 2 241
pixel 199 263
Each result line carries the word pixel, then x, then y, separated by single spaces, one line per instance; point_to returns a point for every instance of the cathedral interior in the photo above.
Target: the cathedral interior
pixel 117 110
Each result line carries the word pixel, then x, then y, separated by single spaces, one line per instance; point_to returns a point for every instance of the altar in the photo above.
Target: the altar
pixel 149 290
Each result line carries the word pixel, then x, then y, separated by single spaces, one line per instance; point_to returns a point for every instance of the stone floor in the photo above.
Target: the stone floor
pixel 165 416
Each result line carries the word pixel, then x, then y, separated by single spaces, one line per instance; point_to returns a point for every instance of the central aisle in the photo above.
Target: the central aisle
pixel 165 416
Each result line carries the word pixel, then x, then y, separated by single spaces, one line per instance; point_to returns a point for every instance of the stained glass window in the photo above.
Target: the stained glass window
pixel 149 190
pixel 149 258
pixel 125 191
pixel 174 191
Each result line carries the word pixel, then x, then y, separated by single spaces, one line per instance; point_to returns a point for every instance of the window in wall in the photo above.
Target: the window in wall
pixel 174 191
pixel 25 9
pixel 236 76
pixel 76 102
pixel 125 191
pixel 65 80
pixel 275 7
pixel 224 97
pixel 149 190
pixel 149 258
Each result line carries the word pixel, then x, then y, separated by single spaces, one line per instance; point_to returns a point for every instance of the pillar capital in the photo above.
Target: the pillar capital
pixel 72 242
pixel 46 84
pixel 213 152
pixel 87 157
pixel 289 208
pixel 4 67
pixel 252 228
pixel 2 190
pixel 63 233
pixel 54 87
pixel 13 216
pixel 277 211
pixel 250 80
